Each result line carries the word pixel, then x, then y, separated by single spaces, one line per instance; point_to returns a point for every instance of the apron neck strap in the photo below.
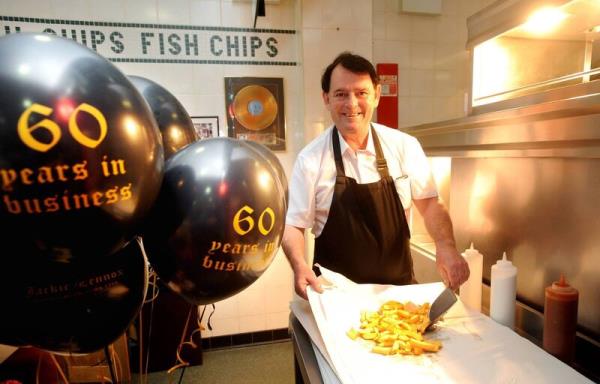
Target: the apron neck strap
pixel 381 163
pixel 337 154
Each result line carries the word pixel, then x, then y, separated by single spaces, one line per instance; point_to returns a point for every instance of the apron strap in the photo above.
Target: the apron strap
pixel 381 163
pixel 337 154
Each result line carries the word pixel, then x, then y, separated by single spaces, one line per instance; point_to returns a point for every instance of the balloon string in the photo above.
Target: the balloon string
pixel 155 291
pixel 154 286
pixel 199 328
pixel 37 370
pixel 214 309
pixel 181 363
pixel 201 316
pixel 141 345
pixel 152 277
pixel 117 362
pixel 111 368
pixel 59 369
pixel 141 322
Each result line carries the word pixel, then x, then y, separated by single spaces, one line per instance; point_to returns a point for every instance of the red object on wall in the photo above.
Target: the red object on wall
pixel 387 112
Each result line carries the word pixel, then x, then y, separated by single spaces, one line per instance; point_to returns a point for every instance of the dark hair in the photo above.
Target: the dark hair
pixel 353 63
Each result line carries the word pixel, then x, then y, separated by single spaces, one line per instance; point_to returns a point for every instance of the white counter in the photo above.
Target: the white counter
pixel 475 348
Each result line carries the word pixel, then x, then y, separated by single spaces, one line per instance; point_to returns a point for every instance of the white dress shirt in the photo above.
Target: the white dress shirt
pixel 313 176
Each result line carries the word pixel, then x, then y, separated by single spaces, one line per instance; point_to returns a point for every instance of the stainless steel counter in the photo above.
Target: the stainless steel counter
pixel 305 362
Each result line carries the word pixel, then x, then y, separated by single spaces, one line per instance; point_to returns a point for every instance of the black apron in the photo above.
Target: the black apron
pixel 366 236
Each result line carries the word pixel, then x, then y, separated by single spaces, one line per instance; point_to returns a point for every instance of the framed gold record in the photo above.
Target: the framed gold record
pixel 255 107
pixel 255 110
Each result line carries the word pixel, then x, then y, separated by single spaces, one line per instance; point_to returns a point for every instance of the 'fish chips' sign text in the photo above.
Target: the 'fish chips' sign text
pixel 162 43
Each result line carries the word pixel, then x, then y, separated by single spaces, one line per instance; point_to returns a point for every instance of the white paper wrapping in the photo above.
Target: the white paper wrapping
pixel 475 348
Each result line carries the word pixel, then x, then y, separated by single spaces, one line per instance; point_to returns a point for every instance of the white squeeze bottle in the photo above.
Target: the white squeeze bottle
pixel 470 290
pixel 503 294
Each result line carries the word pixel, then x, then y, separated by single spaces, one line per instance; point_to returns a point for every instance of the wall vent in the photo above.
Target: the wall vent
pixel 425 7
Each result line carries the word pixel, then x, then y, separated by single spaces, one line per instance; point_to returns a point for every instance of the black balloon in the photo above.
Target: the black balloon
pixel 77 307
pixel 275 163
pixel 173 120
pixel 81 159
pixel 218 221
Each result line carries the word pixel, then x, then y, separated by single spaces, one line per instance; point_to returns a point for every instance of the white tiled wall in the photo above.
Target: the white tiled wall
pixel 328 28
pixel 264 305
pixel 433 70
pixel 433 64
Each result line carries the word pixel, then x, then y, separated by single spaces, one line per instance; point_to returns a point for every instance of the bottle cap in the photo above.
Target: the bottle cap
pixel 504 262
pixel 471 251
pixel 561 287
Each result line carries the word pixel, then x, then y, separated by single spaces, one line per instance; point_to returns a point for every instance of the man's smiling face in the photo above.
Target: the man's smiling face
pixel 351 100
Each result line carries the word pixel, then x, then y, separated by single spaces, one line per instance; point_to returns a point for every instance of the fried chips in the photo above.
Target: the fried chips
pixel 396 328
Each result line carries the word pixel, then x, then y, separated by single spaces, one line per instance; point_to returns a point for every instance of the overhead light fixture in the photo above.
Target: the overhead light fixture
pixel 544 20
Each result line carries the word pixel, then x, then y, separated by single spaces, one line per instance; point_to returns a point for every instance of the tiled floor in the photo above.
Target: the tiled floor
pixel 270 363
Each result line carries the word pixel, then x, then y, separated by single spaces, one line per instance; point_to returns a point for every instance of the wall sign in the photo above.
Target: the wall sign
pixel 167 43
pixel 387 111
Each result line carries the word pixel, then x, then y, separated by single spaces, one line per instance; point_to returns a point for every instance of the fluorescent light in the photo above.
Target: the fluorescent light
pixel 544 20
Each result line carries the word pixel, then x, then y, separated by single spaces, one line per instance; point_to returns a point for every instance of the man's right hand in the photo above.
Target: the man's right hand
pixel 293 247
pixel 304 277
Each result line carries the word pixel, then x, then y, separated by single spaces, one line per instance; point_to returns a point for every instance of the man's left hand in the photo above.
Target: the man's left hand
pixel 452 267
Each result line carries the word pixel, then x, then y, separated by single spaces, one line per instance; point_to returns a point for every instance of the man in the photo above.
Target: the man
pixel 352 185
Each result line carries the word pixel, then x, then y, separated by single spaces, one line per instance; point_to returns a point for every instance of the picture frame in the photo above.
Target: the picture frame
pixel 255 110
pixel 205 127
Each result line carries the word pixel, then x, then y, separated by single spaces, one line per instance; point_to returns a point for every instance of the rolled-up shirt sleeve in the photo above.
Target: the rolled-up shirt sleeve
pixel 301 209
pixel 422 184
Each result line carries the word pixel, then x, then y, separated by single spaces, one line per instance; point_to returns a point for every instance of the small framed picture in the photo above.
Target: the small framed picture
pixel 205 126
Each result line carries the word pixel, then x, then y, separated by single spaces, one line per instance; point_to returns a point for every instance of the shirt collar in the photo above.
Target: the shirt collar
pixel 370 149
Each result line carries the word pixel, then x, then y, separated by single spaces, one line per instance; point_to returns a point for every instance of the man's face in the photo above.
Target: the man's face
pixel 351 100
